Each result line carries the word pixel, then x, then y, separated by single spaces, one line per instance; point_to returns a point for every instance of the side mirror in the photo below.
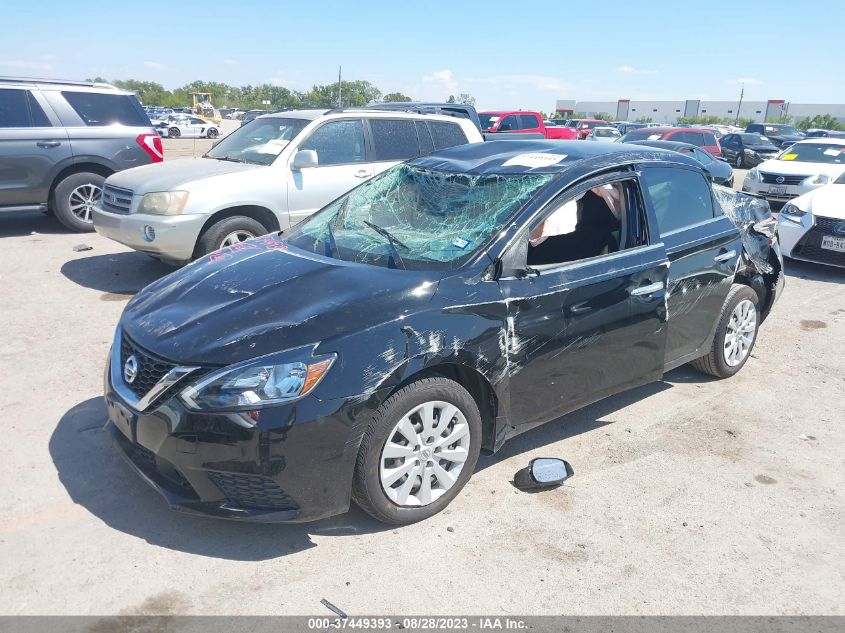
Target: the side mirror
pixel 543 472
pixel 304 159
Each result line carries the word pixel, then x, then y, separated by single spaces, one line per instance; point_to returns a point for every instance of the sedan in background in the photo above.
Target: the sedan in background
pixel 190 127
pixel 700 137
pixel 799 169
pixel 747 150
pixel 720 172
pixel 812 227
pixel 603 134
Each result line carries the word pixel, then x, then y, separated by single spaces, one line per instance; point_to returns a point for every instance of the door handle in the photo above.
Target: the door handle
pixel 48 144
pixel 725 256
pixel 647 290
pixel 362 173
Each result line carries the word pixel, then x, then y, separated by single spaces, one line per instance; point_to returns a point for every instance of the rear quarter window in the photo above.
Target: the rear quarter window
pixel 528 121
pixel 679 197
pixel 98 109
pixel 446 134
pixel 394 139
pixel 18 108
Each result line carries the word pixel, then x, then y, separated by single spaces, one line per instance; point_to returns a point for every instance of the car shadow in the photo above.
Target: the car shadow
pixel 21 223
pixel 119 274
pixel 575 423
pixel 813 272
pixel 98 479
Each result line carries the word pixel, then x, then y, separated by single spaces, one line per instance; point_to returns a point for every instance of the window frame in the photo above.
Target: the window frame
pixel 367 149
pixel 374 157
pixel 701 172
pixel 28 113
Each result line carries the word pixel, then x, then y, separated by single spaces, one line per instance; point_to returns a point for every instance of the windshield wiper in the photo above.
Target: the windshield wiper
pixel 391 240
pixel 228 158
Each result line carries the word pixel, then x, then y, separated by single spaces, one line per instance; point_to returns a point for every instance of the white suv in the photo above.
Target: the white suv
pixel 266 176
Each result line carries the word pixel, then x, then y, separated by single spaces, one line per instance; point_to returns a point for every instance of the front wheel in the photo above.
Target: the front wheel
pixel 739 161
pixel 174 132
pixel 228 232
pixel 74 200
pixel 418 452
pixel 736 333
pixel 212 133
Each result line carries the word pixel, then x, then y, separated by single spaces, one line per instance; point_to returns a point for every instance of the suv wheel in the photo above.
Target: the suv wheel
pixel 174 132
pixel 74 199
pixel 228 231
pixel 739 161
pixel 418 452
pixel 735 334
pixel 212 133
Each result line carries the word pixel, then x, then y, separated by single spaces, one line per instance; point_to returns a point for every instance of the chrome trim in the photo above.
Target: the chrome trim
pixel 657 286
pixel 116 378
pixel 725 256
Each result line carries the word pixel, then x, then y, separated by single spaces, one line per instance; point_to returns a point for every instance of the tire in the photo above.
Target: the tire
pixel 212 133
pixel 718 361
pixel 174 132
pixel 372 467
pixel 216 235
pixel 739 161
pixel 75 197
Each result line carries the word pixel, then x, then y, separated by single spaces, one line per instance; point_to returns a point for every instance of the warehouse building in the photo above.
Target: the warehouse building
pixel 669 111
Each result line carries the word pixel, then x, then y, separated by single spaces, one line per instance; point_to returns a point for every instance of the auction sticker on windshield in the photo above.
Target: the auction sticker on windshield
pixel 536 159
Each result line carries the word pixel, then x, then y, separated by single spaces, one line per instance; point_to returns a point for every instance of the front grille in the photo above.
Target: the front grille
pixel 828 225
pixel 150 368
pixel 116 200
pixel 771 179
pixel 810 247
pixel 252 491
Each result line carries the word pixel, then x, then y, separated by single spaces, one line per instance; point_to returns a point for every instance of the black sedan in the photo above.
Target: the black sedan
pixel 746 150
pixel 719 170
pixel 446 305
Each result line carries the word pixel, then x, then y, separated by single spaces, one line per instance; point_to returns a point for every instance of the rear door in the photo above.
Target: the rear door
pixel 578 331
pixel 31 148
pixel 703 246
pixel 341 151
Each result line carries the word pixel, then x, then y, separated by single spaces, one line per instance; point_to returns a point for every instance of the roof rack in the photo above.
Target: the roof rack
pixel 65 82
pixel 412 108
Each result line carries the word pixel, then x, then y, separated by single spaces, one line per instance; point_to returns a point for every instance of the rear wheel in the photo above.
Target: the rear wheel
pixel 74 199
pixel 212 133
pixel 227 232
pixel 174 132
pixel 418 452
pixel 736 334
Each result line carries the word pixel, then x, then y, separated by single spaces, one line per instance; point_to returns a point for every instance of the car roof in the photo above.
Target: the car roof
pixel 502 157
pixel 370 113
pixel 672 145
pixel 62 84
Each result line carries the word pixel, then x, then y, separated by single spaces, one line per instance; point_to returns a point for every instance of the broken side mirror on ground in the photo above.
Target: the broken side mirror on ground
pixel 543 472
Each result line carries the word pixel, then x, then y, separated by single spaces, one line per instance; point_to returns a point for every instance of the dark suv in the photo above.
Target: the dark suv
pixel 780 135
pixel 59 140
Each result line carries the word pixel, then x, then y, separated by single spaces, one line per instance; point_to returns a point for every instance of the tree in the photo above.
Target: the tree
pixel 744 122
pixel 820 121
pixel 395 96
pixel 643 119
pixel 783 120
pixel 464 98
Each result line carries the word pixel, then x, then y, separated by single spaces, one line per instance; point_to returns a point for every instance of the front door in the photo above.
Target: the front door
pixel 341 155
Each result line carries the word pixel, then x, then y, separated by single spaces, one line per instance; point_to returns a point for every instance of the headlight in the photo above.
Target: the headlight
pixel 163 202
pixel 792 213
pixel 753 175
pixel 259 382
pixel 817 180
pixel 750 152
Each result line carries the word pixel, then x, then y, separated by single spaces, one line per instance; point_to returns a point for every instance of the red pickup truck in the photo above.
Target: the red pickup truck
pixel 522 122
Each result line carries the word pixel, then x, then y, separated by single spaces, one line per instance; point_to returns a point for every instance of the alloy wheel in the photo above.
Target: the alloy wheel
pixel 83 199
pixel 739 335
pixel 424 454
pixel 738 161
pixel 236 236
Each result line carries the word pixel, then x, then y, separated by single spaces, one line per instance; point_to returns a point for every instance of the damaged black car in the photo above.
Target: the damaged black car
pixel 372 352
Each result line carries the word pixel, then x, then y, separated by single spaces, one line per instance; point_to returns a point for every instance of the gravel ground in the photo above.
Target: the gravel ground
pixel 691 495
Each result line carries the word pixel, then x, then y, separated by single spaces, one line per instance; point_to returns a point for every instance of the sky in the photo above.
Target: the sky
pixel 514 55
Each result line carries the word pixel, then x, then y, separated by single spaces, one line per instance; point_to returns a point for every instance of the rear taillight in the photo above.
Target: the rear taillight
pixel 151 143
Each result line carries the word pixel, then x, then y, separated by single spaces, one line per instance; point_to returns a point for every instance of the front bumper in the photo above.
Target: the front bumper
pixel 804 241
pixel 175 236
pixel 770 193
pixel 296 464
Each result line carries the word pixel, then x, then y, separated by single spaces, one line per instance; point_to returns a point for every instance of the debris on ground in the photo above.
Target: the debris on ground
pixel 82 247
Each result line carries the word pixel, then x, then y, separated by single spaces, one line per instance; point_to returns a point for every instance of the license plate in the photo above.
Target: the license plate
pixel 778 190
pixel 122 418
pixel 832 243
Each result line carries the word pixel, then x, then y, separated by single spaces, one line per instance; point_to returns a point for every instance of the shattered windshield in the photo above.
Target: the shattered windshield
pixel 258 142
pixel 416 218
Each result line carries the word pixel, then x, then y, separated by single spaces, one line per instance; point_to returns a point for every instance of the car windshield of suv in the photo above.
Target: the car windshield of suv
pixel 258 142
pixel 814 153
pixel 781 130
pixel 416 218
pixel 606 132
pixel 487 120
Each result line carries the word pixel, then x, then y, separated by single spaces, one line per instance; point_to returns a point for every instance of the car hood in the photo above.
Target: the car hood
pixel 827 201
pixel 792 167
pixel 174 174
pixel 237 304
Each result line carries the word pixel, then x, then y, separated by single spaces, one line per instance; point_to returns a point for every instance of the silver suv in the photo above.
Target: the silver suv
pixel 266 176
pixel 59 140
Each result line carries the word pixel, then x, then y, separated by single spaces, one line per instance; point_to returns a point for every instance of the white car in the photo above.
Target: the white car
pixel 188 127
pixel 266 176
pixel 798 169
pixel 812 227
pixel 603 134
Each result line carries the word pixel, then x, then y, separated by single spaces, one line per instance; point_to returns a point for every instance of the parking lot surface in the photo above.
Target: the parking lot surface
pixel 691 495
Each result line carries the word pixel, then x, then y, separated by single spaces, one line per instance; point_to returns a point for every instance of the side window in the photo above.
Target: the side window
pixel 509 124
pixel 680 137
pixel 728 140
pixel 709 140
pixel 528 122
pixel 337 142
pixel 446 134
pixel 198 122
pixel 13 109
pixel 702 156
pixel 426 144
pixel 97 109
pixel 394 139
pixel 679 197
pixel 602 220
pixel 39 119
pixel 697 138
